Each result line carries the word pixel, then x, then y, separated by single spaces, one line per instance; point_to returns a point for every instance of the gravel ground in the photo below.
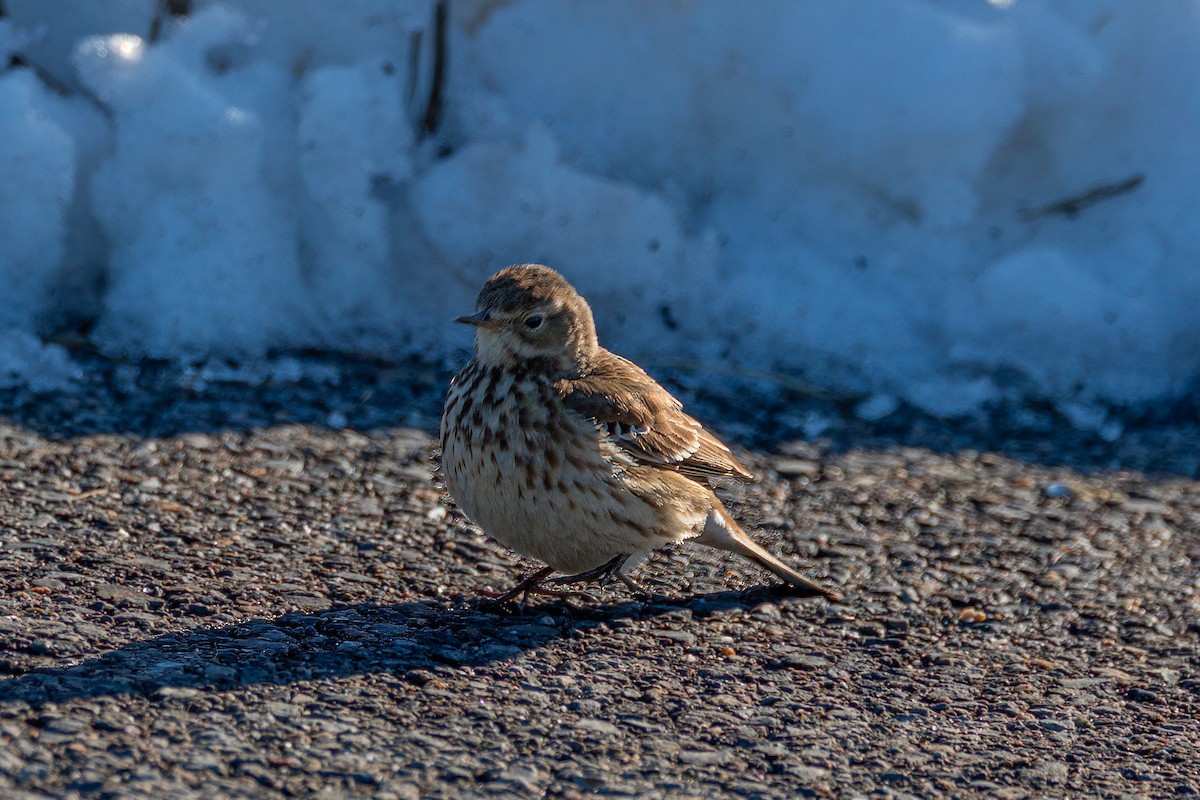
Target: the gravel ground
pixel 216 589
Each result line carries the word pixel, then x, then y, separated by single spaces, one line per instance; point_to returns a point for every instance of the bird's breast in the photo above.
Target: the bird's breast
pixel 545 481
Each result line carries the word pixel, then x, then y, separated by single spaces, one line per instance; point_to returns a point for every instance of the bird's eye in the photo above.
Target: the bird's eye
pixel 534 322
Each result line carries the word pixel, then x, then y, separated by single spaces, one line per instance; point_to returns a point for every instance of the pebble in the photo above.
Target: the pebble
pixel 705 758
pixel 1057 724
pixel 122 596
pixel 972 616
pixel 792 467
pixel 1140 695
pixel 597 726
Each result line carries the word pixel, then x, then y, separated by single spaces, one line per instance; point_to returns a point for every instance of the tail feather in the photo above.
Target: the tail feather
pixel 722 532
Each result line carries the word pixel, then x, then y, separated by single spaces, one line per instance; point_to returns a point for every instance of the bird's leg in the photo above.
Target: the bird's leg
pixel 621 572
pixel 602 574
pixel 633 585
pixel 522 589
pixel 531 585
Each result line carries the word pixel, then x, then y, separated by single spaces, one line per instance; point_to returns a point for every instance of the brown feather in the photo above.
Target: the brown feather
pixel 646 420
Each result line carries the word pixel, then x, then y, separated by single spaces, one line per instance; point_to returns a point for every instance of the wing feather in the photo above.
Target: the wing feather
pixel 646 421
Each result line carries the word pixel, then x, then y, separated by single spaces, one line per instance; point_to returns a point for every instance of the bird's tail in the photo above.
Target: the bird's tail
pixel 722 532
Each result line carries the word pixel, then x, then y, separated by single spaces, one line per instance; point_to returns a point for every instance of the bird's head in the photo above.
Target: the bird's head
pixel 529 316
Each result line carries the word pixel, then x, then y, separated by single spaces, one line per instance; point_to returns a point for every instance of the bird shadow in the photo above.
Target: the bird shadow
pixel 404 639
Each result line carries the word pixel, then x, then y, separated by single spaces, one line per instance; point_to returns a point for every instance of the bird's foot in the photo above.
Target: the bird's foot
pixel 604 575
pixel 531 585
pixel 636 587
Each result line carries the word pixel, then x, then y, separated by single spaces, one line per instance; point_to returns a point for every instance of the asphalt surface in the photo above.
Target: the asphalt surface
pixel 214 588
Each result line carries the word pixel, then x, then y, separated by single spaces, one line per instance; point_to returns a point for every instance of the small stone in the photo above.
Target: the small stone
pixel 219 672
pixel 202 763
pixel 64 725
pixel 1057 725
pixel 48 583
pixel 308 603
pixel 705 758
pixel 1140 695
pixel 404 791
pixel 808 663
pixel 597 726
pixel 122 596
pixel 877 641
pixel 42 647
pixel 1119 675
pixel 794 467
pixel 767 611
pixel 810 774
pixel 971 616
pixel 1140 506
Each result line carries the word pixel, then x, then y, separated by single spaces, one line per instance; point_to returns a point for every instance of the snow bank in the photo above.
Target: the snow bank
pixel 944 202
pixel 204 246
pixel 37 167
pixel 25 361
pixel 502 203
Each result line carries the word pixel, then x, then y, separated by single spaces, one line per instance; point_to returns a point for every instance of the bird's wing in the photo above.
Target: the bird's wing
pixel 646 421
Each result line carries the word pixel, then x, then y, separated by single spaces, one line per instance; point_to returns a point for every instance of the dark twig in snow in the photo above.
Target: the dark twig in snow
pixel 174 8
pixel 1072 205
pixel 433 110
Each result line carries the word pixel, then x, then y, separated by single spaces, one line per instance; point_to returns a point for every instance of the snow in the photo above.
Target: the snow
pixel 353 137
pixel 38 156
pixel 935 202
pixel 625 248
pixel 53 30
pixel 25 361
pixel 204 247
pixel 877 407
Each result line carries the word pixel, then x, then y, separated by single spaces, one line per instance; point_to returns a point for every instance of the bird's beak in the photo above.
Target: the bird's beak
pixel 479 319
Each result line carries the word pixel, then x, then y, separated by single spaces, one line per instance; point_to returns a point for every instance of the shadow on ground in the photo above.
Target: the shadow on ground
pixel 406 639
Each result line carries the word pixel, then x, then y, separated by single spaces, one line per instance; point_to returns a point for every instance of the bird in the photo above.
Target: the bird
pixel 569 454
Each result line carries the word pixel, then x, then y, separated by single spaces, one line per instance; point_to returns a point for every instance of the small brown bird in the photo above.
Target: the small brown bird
pixel 574 456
